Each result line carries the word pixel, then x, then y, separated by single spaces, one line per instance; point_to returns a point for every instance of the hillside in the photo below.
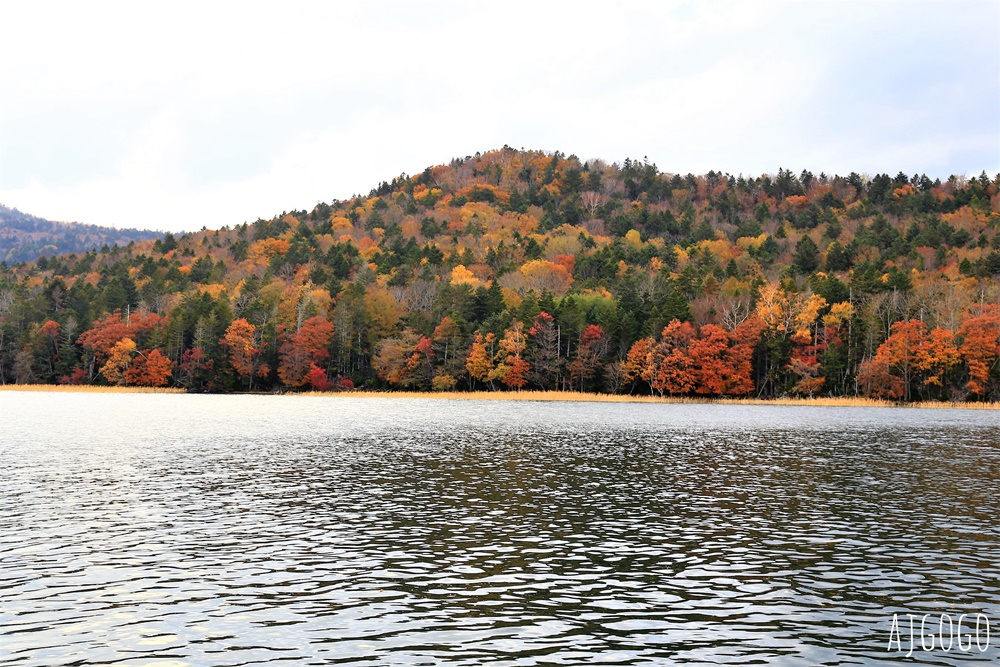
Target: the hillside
pixel 515 269
pixel 25 238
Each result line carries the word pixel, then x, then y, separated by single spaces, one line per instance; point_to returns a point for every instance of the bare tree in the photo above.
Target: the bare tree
pixel 592 201
pixel 419 295
pixel 733 311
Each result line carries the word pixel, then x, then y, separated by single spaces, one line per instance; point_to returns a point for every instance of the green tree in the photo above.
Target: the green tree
pixel 806 257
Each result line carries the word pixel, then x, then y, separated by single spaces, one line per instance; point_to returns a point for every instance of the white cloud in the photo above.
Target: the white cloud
pixel 183 115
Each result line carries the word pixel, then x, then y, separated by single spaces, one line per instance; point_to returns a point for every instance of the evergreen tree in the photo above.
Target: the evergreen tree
pixel 806 257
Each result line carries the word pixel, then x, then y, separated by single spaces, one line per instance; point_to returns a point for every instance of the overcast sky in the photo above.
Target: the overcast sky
pixel 175 116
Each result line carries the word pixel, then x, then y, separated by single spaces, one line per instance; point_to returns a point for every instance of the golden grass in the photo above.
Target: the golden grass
pixel 548 396
pixel 574 396
pixel 90 389
pixel 858 402
pixel 531 395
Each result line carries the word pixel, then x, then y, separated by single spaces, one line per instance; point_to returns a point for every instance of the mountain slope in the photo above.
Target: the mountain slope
pixel 516 269
pixel 25 238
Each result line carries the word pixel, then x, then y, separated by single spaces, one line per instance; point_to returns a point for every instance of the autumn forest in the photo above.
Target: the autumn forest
pixel 518 269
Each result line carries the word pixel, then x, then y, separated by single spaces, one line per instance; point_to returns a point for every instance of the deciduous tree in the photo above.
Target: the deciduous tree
pixel 149 369
pixel 307 347
pixel 512 369
pixel 118 361
pixel 673 368
pixel 980 348
pixel 545 357
pixel 195 370
pixel 479 360
pixel 244 350
pixel 593 345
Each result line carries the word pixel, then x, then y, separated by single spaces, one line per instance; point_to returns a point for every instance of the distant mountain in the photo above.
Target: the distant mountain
pixel 25 238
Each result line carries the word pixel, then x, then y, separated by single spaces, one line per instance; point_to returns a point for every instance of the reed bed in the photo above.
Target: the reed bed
pixel 859 402
pixel 548 396
pixel 574 396
pixel 90 389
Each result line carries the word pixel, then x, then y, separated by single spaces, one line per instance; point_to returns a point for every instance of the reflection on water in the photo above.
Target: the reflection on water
pixel 206 530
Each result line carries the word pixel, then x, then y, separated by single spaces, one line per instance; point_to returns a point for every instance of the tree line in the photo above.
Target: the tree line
pixel 521 269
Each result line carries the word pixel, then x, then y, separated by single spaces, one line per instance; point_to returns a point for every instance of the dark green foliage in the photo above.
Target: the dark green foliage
pixel 806 258
pixel 767 252
pixel 838 258
pixel 831 288
pixel 991 263
pixel 748 227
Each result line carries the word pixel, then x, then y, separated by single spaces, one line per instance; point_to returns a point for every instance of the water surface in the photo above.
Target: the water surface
pixel 234 530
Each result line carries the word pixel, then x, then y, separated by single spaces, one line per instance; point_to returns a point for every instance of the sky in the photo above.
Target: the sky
pixel 177 116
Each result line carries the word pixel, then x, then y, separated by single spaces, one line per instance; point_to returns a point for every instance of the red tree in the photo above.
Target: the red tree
pixel 304 349
pixel 740 356
pixel 673 368
pixel 149 369
pixel 708 355
pixel 317 379
pixel 111 329
pixel 980 347
pixel 103 336
pixel 244 353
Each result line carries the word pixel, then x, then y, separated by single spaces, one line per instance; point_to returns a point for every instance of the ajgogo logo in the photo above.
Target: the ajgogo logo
pixel 949 634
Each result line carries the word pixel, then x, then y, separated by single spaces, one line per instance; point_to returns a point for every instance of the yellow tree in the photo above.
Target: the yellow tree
pixel 772 308
pixel 479 361
pixel 805 360
pixel 541 275
pixel 513 369
pixel 381 314
pixel 463 276
pixel 839 313
pixel 263 251
pixel 119 361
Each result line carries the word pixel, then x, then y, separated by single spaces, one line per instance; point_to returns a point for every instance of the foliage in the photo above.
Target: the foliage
pixel 522 270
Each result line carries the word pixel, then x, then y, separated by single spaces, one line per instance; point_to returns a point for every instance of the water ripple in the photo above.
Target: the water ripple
pixel 179 530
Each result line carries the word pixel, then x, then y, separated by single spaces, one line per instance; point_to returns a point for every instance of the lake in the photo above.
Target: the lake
pixel 149 529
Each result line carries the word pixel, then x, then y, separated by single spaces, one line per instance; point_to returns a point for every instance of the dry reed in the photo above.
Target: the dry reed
pixel 93 389
pixel 548 396
pixel 573 396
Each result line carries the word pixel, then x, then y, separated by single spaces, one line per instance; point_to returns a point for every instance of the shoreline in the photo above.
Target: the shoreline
pixel 579 397
pixel 89 389
pixel 543 396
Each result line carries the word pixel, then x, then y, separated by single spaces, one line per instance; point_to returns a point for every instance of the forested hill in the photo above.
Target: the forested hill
pixel 25 238
pixel 517 269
